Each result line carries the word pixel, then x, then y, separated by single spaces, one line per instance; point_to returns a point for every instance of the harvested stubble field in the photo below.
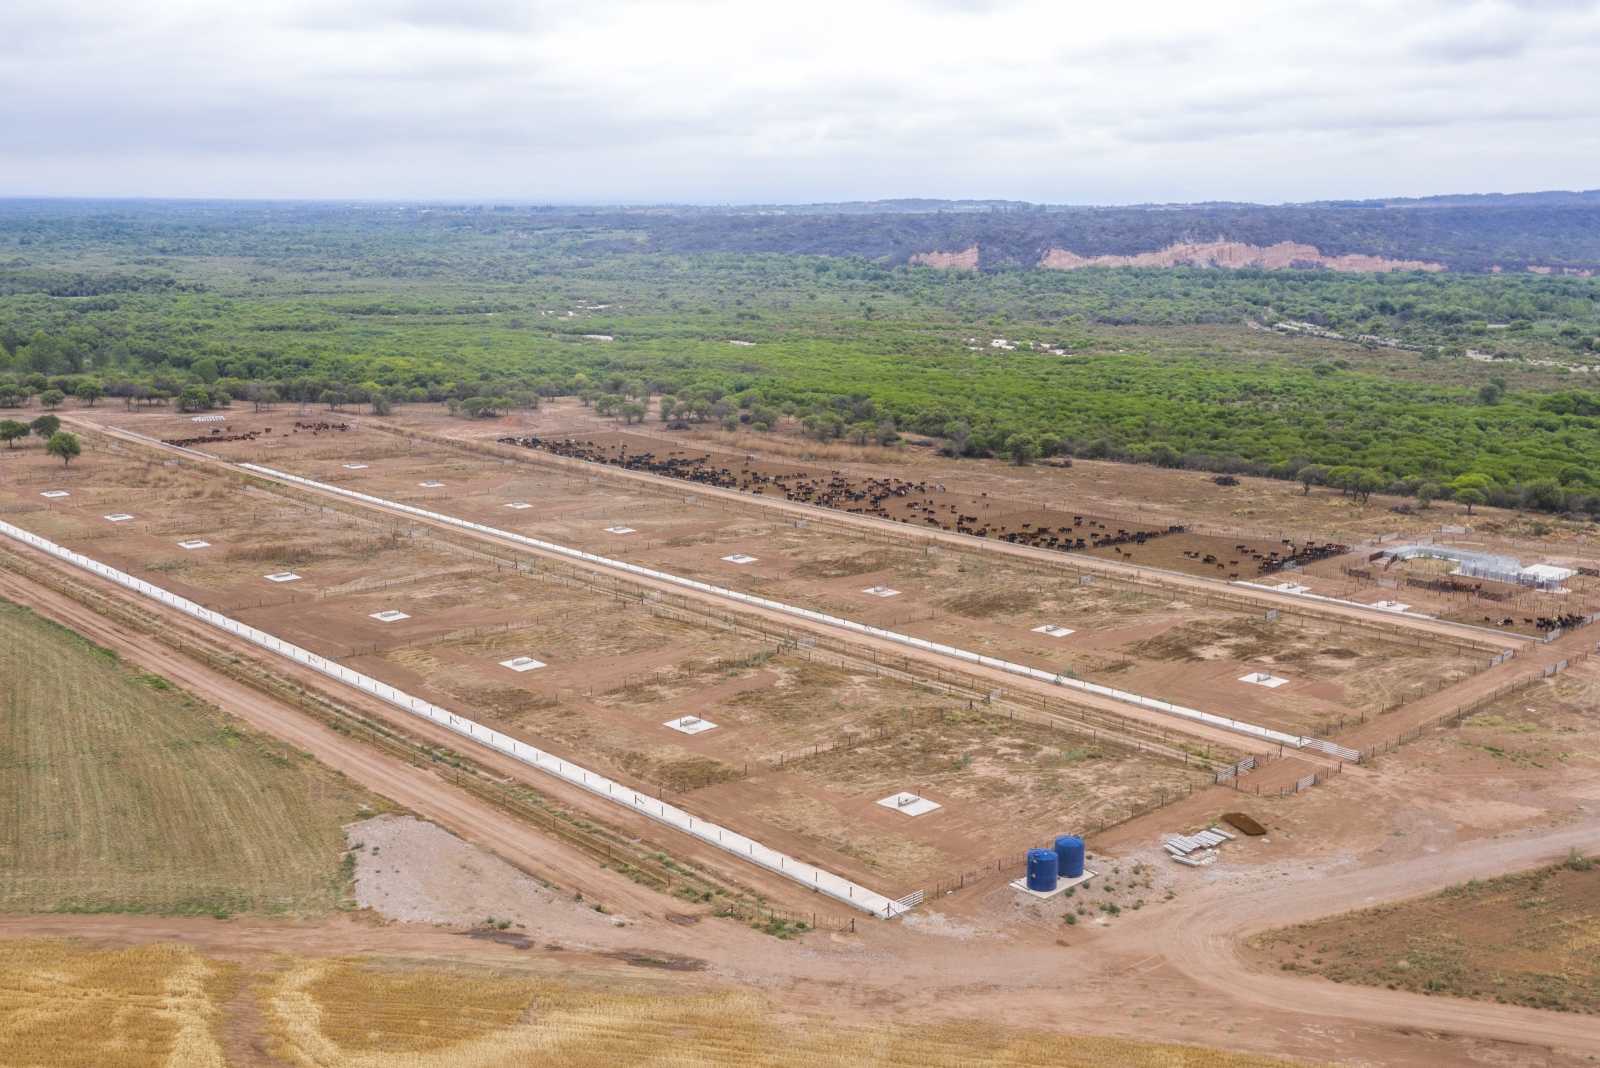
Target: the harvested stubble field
pixel 131 796
pixel 1529 938
pixel 1165 644
pixel 64 1005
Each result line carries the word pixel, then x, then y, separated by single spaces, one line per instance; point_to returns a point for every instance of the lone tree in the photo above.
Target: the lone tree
pixel 1022 449
pixel 12 431
pixel 45 426
pixel 52 398
pixel 1312 475
pixel 88 393
pixel 1470 497
pixel 64 445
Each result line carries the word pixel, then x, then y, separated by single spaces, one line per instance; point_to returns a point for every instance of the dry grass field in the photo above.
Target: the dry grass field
pixel 131 796
pixel 64 1005
pixel 151 1006
pixel 1532 938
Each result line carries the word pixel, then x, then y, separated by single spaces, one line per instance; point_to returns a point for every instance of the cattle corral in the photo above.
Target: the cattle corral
pixel 806 742
pixel 1166 644
pixel 807 739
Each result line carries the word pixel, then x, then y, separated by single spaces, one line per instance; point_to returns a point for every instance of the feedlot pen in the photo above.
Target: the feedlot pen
pixel 1168 645
pixel 805 744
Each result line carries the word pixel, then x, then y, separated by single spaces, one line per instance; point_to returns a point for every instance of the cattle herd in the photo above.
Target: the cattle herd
pixel 1545 624
pixel 219 434
pixel 1270 561
pixel 910 501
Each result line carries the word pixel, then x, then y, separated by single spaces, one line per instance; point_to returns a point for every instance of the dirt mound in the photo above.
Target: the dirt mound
pixel 1243 823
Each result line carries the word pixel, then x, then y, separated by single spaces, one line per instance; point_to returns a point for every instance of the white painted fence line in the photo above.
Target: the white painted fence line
pixel 818 879
pixel 1124 696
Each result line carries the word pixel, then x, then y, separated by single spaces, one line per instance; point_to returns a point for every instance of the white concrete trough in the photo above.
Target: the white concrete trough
pixel 881 591
pixel 1391 606
pixel 118 517
pixel 431 484
pixel 1291 587
pixel 910 804
pixel 1261 678
pixel 355 467
pixel 282 576
pixel 194 543
pixel 1053 631
pixel 1062 885
pixel 628 530
pixel 389 615
pixel 54 495
pixel 522 663
pixel 740 558
pixel 690 725
pixel 519 506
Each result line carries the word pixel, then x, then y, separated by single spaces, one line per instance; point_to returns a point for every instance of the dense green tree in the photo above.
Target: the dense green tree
pixel 64 446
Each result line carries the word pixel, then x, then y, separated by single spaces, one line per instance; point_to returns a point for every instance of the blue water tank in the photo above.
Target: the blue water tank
pixel 1069 850
pixel 1042 868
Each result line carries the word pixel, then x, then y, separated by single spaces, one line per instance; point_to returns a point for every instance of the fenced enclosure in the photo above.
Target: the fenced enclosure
pixel 729 841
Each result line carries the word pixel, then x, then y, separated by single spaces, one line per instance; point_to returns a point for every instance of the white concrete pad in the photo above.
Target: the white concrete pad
pixel 910 804
pixel 522 663
pixel 194 543
pixel 55 495
pixel 519 506
pixel 1291 587
pixel 621 530
pixel 881 591
pixel 690 724
pixel 1261 678
pixel 118 517
pixel 1391 606
pixel 283 576
pixel 430 484
pixel 1052 630
pixel 389 616
pixel 1062 885
pixel 355 467
pixel 740 558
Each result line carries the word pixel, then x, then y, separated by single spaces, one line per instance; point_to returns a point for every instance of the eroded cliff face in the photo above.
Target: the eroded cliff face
pixel 1235 254
pixel 964 260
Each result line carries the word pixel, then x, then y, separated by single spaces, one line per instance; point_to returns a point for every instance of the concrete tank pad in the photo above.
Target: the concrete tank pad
pixel 690 724
pixel 1064 884
pixel 910 804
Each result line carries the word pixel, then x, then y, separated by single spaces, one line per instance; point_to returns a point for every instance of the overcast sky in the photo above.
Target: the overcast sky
pixel 757 101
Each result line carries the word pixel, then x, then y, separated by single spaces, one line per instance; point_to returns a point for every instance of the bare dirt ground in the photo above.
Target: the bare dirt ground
pixel 413 871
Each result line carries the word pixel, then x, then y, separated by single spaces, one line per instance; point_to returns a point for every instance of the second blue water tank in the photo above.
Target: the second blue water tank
pixel 1069 853
pixel 1042 868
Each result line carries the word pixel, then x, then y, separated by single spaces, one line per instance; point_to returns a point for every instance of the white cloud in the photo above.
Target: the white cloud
pixel 713 100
